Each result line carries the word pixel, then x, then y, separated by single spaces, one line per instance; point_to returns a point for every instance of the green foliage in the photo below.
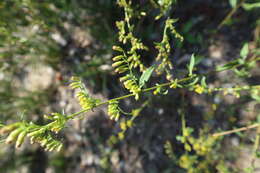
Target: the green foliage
pixel 146 75
pixel 129 59
pixel 198 149
pixel 85 100
pixel 233 3
pixel 191 65
pixel 122 65
pixel 113 110
pixel 164 6
pixel 17 132
pixel 164 49
pixel 244 51
pixel 241 66
pixel 251 6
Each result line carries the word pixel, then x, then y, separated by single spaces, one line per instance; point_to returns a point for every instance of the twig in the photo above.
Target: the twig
pixel 230 14
pixel 237 130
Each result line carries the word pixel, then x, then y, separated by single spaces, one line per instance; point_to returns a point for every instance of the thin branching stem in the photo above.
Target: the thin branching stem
pixel 253 126
pixel 230 14
pixel 72 116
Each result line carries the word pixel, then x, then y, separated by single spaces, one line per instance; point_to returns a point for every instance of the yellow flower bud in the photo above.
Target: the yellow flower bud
pixel 129 123
pixel 13 135
pixel 124 78
pixel 118 63
pixel 36 133
pixel 53 147
pixel 121 69
pixel 112 140
pixel 59 147
pixel 199 89
pixel 51 144
pixel 8 128
pixel 117 48
pixel 20 139
pixel 187 147
pixel 123 126
pixel 121 135
pixel 44 142
pixel 119 57
pixel 136 96
pixel 196 146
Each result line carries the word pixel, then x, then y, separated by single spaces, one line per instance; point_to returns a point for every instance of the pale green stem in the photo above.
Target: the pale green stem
pixel 236 130
pixel 230 14
pixel 129 95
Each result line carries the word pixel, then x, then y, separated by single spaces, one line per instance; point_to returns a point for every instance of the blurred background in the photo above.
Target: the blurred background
pixel 45 42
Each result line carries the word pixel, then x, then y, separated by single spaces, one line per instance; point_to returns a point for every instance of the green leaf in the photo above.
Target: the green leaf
pixel 244 51
pixel 146 76
pixel 227 66
pixel 192 63
pixel 251 6
pixel 161 90
pixel 180 138
pixel 233 3
pixel 242 72
pixel 187 26
pixel 203 82
pixel 198 59
pixel 193 82
pixel 255 94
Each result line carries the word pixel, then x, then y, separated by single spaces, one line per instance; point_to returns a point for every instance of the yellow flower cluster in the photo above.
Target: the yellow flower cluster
pixel 85 100
pixel 113 110
pixel 45 140
pixel 17 132
pixel 126 124
pixel 202 145
pixel 121 65
pixel 169 150
pixel 164 49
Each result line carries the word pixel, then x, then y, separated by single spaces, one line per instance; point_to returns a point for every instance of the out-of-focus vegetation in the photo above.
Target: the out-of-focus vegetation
pixel 191 67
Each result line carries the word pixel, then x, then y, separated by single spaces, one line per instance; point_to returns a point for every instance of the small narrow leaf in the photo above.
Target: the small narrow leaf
pixel 227 66
pixel 233 3
pixel 146 76
pixel 244 51
pixel 251 6
pixel 203 82
pixel 193 82
pixel 192 63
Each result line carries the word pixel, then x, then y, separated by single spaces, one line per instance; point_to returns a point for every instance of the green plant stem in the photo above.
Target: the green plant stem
pixel 128 20
pixel 72 116
pixel 230 14
pixel 239 88
pixel 238 65
pixel 236 130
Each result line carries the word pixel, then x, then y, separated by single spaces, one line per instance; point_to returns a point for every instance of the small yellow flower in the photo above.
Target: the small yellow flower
pixel 121 135
pixel 123 125
pixel 187 147
pixel 199 89
pixel 129 123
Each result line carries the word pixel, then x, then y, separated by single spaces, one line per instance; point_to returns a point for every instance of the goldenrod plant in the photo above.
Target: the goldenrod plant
pixel 139 78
